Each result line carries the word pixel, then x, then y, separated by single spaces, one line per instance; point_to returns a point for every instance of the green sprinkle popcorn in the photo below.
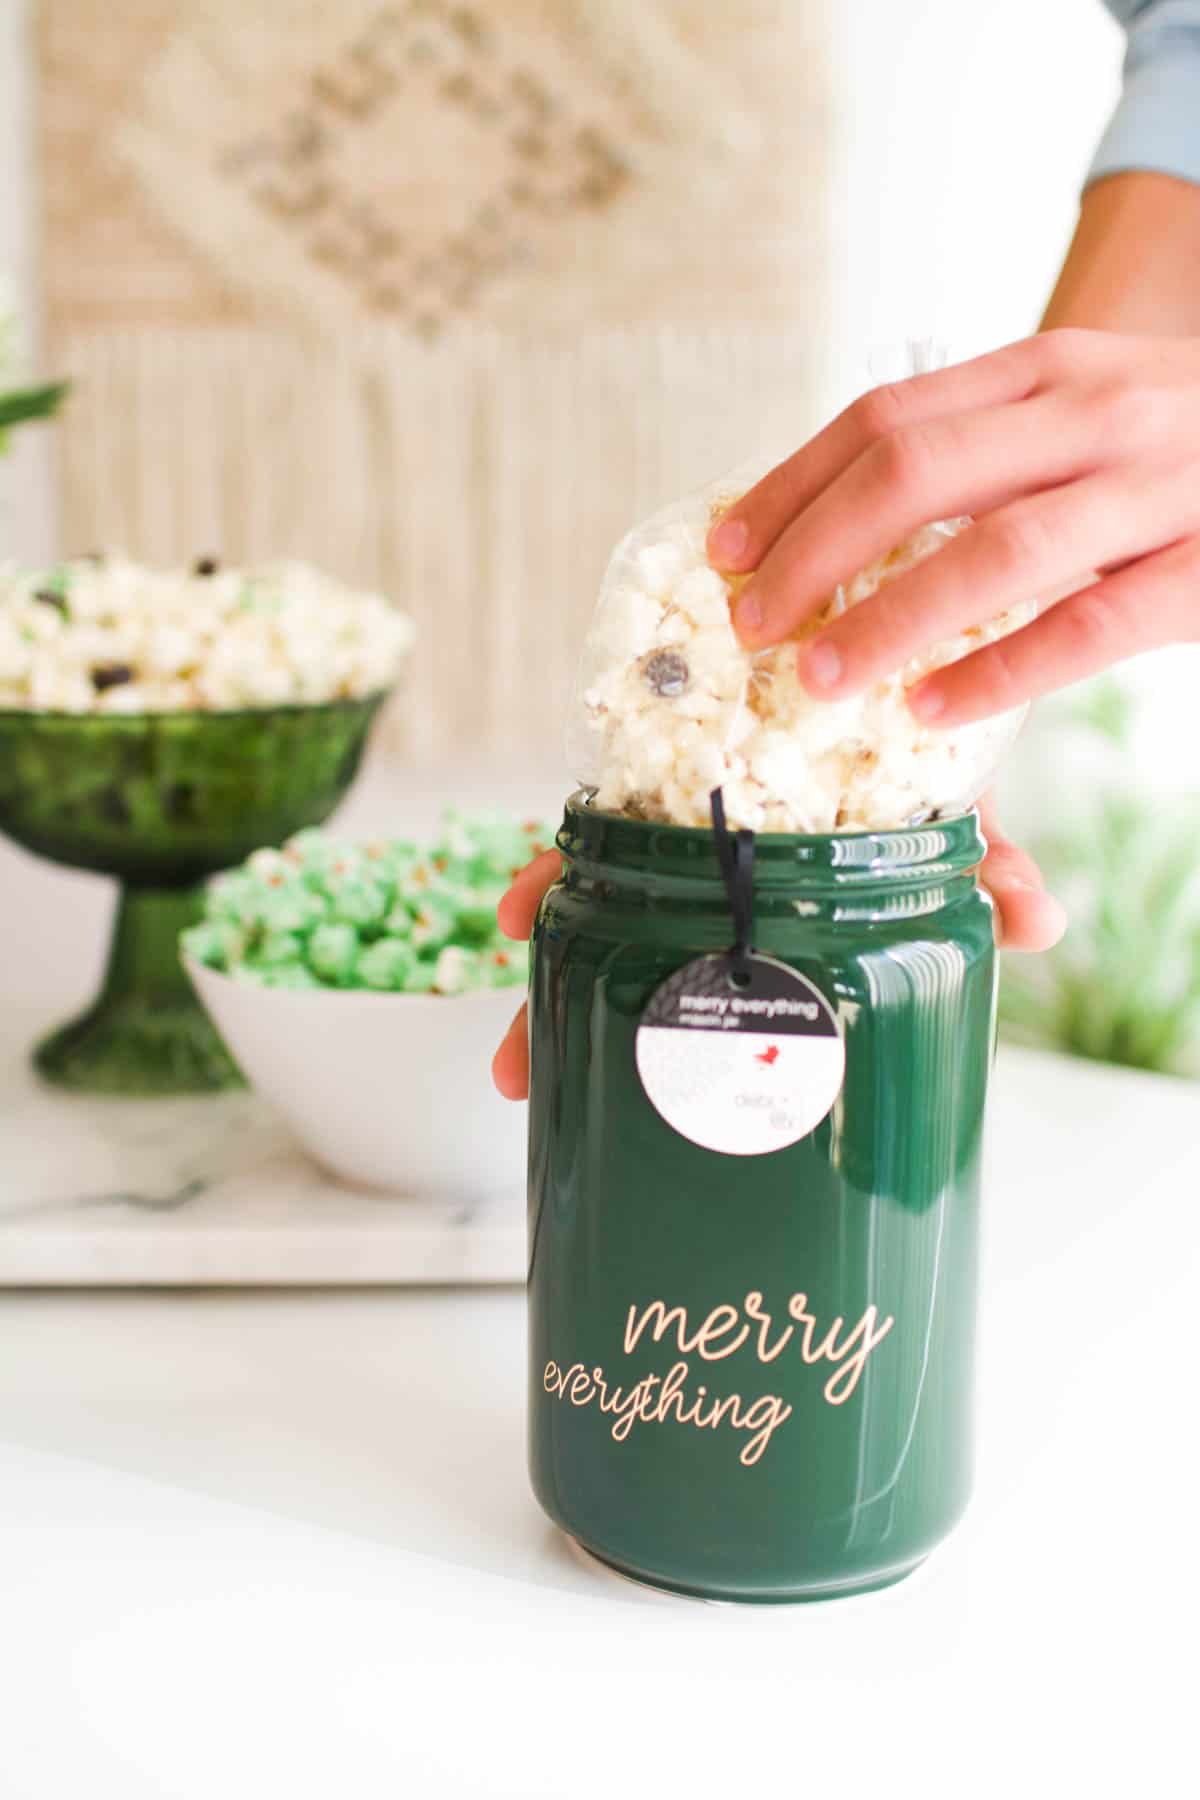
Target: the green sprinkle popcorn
pixel 333 952
pixel 388 915
pixel 387 963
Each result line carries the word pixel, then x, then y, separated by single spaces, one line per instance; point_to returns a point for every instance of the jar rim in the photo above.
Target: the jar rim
pixel 912 853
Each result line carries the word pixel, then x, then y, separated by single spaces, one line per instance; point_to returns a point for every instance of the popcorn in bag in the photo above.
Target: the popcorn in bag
pixel 669 705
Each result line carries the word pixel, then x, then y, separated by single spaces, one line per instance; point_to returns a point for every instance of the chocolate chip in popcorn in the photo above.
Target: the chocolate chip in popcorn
pixel 110 675
pixel 666 674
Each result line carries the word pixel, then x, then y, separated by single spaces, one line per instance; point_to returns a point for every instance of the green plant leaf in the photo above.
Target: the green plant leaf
pixel 22 404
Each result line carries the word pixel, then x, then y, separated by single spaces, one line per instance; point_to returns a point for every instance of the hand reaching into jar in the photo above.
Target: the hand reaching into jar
pixel 1027 918
pixel 1075 451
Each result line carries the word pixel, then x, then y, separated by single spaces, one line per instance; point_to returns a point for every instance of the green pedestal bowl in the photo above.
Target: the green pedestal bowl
pixel 161 801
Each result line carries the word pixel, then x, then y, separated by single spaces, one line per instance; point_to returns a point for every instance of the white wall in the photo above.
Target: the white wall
pixel 26 528
pixel 966 130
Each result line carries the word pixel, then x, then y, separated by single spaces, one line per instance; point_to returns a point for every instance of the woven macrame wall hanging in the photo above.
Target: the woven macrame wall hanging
pixel 442 296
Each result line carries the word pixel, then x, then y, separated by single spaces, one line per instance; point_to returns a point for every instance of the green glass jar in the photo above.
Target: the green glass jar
pixel 751 1376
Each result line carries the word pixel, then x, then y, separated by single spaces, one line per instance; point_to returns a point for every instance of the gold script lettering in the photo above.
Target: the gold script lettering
pixel 657 1399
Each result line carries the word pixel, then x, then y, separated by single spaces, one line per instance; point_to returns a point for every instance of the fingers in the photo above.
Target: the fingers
pixel 749 529
pixel 518 909
pixel 515 916
pixel 1027 917
pixel 935 470
pixel 510 1065
pixel 1146 604
pixel 1005 560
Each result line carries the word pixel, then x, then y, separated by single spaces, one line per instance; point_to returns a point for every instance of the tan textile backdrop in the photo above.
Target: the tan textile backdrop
pixel 441 296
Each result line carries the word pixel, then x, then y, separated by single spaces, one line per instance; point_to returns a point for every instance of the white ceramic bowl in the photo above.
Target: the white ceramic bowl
pixel 384 1090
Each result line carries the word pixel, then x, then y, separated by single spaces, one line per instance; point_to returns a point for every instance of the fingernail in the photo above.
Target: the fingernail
pixel 926 702
pixel 727 541
pixel 1062 917
pixel 820 666
pixel 748 613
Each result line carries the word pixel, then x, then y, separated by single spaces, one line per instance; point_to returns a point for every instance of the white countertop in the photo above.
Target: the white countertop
pixel 282 1543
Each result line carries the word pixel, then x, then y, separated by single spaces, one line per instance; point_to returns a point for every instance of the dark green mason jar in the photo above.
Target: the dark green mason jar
pixel 751 1376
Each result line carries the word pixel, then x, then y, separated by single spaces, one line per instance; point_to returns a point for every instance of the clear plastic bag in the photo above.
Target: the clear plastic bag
pixel 669 705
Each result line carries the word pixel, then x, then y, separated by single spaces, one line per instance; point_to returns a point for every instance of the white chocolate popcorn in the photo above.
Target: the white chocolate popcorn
pixel 102 634
pixel 669 705
pixel 453 970
pixel 659 568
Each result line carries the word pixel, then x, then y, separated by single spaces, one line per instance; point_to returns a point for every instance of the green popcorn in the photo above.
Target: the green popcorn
pixel 494 844
pixel 228 894
pixel 504 965
pixel 457 833
pixel 422 978
pixel 277 948
pixel 289 975
pixel 390 860
pixel 433 924
pixel 333 951
pixel 267 905
pixel 249 974
pixel 445 896
pixel 384 915
pixel 268 866
pixel 216 943
pixel 306 850
pixel 456 970
pixel 458 842
pixel 359 901
pixel 313 868
pixel 432 876
pixel 306 846
pixel 387 963
pixel 417 883
pixel 477 918
pixel 290 908
pixel 325 867
pixel 398 922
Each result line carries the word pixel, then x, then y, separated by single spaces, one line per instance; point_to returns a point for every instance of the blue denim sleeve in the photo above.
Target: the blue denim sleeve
pixel 1157 121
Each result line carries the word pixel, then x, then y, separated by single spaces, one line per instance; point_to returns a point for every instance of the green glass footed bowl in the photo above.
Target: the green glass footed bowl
pixel 161 801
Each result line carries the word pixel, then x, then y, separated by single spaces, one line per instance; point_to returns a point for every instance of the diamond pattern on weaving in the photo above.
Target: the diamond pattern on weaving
pixel 397 162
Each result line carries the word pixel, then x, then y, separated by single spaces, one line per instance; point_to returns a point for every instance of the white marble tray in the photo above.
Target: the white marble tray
pixel 208 1190
pixel 169 1192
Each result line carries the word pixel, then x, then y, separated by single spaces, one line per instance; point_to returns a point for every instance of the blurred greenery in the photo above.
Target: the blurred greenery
pixel 22 404
pixel 1124 984
pixel 31 404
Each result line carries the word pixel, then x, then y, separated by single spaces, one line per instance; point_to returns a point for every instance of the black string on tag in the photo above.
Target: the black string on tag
pixel 735 853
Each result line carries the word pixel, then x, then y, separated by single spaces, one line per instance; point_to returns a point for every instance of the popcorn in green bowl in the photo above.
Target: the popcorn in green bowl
pixel 385 915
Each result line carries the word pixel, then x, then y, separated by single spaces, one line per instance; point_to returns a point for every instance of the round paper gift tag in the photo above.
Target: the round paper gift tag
pixel 741 1068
